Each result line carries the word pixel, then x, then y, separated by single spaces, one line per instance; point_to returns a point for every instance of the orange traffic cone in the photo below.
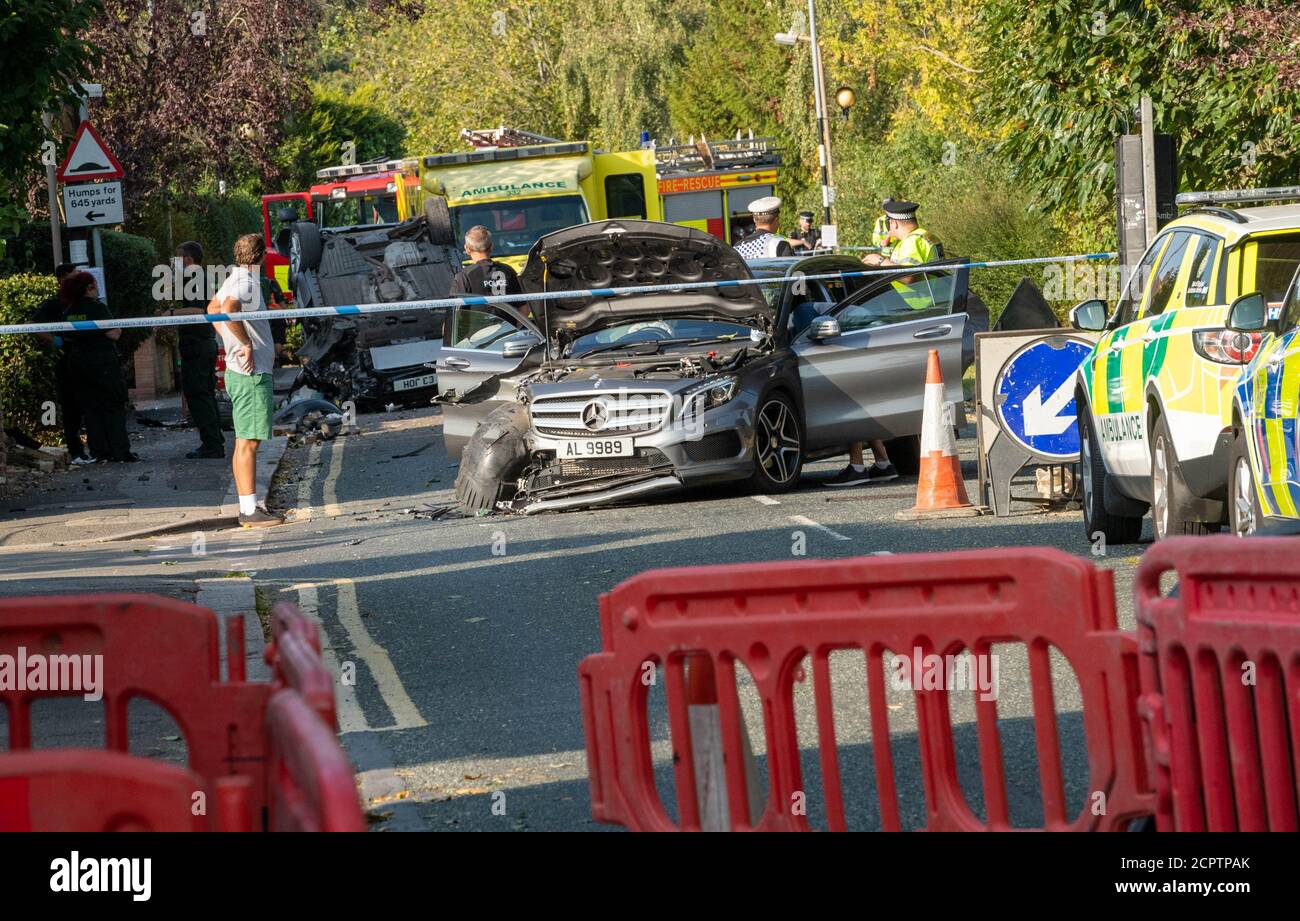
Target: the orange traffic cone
pixel 940 490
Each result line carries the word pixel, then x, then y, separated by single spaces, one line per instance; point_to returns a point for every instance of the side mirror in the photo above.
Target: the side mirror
pixel 1248 314
pixel 520 344
pixel 1089 316
pixel 823 328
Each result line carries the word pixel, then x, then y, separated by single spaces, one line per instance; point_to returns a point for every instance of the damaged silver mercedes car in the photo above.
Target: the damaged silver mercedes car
pixel 602 398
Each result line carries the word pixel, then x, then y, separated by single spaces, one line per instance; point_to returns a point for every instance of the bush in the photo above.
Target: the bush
pixel 129 263
pixel 212 220
pixel 973 206
pixel 27 379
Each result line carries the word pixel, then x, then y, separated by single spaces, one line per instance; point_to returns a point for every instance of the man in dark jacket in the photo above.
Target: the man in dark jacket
pixel 486 276
pixel 51 311
pixel 198 346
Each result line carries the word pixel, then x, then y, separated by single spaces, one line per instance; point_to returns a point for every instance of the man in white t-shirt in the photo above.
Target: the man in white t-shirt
pixel 250 357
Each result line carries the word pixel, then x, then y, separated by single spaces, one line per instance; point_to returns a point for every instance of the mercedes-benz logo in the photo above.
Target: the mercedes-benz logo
pixel 595 414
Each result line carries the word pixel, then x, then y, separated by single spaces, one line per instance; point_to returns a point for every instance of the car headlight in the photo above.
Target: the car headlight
pixel 709 393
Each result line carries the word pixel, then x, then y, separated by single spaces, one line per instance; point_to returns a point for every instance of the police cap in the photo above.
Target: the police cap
pixel 899 210
pixel 769 205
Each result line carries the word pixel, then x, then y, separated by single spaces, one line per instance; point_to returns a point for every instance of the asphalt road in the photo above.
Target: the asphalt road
pixel 465 634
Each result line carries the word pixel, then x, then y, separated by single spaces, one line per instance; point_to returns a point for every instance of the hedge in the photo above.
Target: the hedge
pixel 27 378
pixel 215 221
pixel 129 262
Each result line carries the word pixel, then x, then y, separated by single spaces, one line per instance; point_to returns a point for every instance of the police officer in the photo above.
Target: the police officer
pixel 51 311
pixel 764 240
pixel 912 244
pixel 807 237
pixel 96 370
pixel 198 347
pixel 880 235
pixel 486 276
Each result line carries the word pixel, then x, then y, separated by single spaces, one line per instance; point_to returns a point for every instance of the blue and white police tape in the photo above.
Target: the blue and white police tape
pixel 354 310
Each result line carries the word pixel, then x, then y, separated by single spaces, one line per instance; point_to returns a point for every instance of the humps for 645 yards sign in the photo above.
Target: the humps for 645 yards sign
pixel 92 204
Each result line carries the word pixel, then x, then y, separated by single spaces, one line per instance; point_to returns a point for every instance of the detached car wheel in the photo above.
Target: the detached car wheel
pixel 1114 529
pixel 778 446
pixel 1170 497
pixel 438 217
pixel 493 459
pixel 305 248
pixel 1245 514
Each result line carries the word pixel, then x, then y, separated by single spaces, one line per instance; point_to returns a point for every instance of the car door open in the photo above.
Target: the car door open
pixel 482 346
pixel 868 380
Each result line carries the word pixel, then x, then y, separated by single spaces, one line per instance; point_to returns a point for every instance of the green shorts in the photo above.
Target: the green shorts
pixel 252 400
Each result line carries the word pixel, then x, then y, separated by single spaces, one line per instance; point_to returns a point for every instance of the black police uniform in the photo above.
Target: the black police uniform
pixel 96 374
pixel 484 278
pixel 51 311
pixel 198 347
pixel 812 236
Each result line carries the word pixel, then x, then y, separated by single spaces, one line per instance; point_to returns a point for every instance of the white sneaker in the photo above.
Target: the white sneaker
pixel 84 460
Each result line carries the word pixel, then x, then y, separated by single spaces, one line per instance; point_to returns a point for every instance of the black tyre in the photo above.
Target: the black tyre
pixel 905 454
pixel 493 459
pixel 1113 529
pixel 305 248
pixel 438 217
pixel 1171 514
pixel 778 446
pixel 1245 513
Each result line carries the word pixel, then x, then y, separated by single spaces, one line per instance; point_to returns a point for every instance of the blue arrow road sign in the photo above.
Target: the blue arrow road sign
pixel 1034 395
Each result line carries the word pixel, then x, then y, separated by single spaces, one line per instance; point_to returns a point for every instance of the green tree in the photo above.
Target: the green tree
pixel 44 56
pixel 1060 80
pixel 316 137
pixel 733 78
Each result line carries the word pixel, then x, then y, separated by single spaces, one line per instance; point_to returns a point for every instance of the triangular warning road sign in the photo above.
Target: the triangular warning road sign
pixel 89 158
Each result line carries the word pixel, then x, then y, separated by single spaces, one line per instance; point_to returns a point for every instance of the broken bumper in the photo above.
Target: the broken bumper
pixel 654 485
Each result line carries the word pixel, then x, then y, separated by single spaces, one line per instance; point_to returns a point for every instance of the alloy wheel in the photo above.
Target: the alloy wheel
pixel 1160 487
pixel 778 441
pixel 1085 461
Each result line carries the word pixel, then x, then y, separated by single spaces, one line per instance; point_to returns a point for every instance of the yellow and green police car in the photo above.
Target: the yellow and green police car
pixel 1264 483
pixel 1155 395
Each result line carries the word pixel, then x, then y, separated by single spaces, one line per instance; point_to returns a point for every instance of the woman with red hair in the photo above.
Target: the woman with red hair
pixel 96 370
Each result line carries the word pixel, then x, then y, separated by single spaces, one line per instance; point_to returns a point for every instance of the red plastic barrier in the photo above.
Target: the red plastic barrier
pixel 312 787
pixel 158 649
pixel 769 616
pixel 75 789
pixel 295 660
pixel 1220 667
pixel 166 652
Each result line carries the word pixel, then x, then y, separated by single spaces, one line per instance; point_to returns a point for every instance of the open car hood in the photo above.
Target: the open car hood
pixel 627 253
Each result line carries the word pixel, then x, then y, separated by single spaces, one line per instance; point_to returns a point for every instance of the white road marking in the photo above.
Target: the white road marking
pixel 351 717
pixel 809 523
pixel 404 711
pixel 765 500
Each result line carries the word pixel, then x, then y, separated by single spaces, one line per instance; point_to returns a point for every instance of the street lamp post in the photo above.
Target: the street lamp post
pixel 823 124
pixel 824 158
